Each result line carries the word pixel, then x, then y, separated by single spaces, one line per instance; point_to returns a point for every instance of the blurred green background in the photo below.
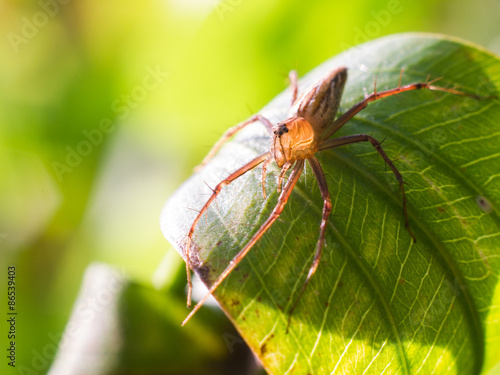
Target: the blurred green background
pixel 106 106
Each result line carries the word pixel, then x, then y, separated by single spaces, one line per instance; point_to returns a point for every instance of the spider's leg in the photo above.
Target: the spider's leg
pixel 283 198
pixel 264 173
pixel 232 131
pixel 342 120
pixel 281 176
pixel 233 176
pixel 335 142
pixel 292 76
pixel 327 208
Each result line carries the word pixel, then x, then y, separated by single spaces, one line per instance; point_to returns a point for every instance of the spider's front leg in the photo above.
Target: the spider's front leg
pixel 229 133
pixel 283 198
pixel 233 176
pixel 292 76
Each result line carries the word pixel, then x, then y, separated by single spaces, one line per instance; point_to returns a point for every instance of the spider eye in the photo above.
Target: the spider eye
pixel 281 128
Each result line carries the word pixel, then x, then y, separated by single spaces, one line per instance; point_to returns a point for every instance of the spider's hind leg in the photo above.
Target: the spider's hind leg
pixel 327 208
pixel 341 141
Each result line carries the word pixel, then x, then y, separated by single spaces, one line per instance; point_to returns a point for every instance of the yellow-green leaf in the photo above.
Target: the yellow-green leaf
pixel 378 303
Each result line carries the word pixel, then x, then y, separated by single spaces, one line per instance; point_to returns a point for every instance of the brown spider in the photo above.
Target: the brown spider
pixel 307 130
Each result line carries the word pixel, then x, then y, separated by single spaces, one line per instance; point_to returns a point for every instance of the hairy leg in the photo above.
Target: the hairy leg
pixel 264 173
pixel 292 76
pixel 327 208
pixel 283 198
pixel 233 176
pixel 342 120
pixel 232 131
pixel 336 142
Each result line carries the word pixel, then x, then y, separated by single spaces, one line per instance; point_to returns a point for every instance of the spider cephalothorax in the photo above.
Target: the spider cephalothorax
pixel 293 139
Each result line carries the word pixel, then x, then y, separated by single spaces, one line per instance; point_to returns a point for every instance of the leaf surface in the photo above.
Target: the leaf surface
pixel 378 302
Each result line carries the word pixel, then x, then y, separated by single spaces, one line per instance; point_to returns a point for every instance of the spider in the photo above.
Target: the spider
pixel 307 130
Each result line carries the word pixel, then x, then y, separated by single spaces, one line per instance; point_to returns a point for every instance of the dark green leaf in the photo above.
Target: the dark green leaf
pixel 121 327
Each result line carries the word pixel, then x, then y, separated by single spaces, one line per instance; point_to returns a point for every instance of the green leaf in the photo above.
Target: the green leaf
pixel 378 302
